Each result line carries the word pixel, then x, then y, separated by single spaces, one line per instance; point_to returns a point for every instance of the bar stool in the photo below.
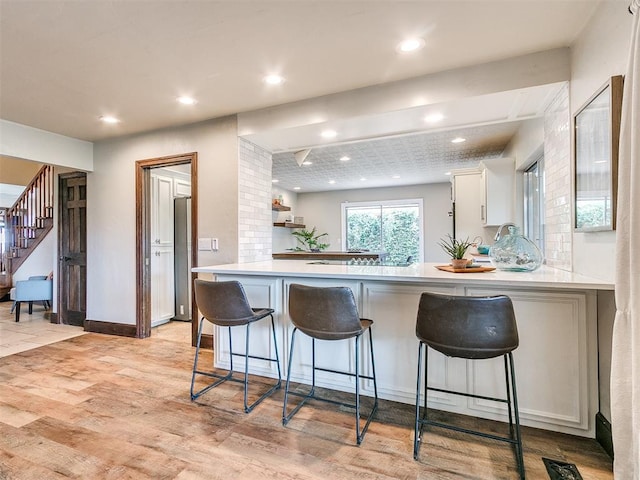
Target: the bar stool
pixel 329 313
pixel 225 304
pixel 471 328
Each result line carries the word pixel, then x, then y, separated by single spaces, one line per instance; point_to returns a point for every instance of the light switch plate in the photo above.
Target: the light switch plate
pixel 204 244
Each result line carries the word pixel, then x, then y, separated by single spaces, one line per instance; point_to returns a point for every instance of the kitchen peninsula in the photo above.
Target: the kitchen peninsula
pixel 556 362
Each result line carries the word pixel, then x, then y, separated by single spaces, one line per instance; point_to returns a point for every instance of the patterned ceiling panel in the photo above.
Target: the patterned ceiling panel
pixel 416 159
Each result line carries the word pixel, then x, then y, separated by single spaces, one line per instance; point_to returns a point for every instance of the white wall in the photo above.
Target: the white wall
pixel 600 52
pixel 524 148
pixel 111 215
pixel 30 143
pixel 41 261
pixel 526 143
pixel 323 210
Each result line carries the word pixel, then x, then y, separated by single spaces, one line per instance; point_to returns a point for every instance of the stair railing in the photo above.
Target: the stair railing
pixel 28 216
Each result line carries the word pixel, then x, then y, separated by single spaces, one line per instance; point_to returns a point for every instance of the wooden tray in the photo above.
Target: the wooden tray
pixel 449 268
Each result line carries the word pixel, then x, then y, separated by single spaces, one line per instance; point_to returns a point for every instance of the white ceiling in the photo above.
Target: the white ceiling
pixel 408 146
pixel 64 63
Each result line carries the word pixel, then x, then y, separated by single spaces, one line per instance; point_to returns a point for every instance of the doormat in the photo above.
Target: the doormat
pixel 558 470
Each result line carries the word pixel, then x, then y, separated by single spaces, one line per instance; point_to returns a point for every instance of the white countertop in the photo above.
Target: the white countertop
pixel 544 277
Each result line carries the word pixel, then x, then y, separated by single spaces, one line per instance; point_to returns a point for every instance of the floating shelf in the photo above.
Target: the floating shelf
pixel 288 225
pixel 280 208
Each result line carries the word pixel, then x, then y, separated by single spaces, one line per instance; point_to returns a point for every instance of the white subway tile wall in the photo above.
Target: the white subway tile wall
pixel 557 165
pixel 254 203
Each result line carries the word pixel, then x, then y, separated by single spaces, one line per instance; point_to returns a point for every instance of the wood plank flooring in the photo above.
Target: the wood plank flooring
pixel 106 407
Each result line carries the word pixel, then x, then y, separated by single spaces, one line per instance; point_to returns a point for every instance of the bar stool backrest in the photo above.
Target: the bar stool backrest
pixel 326 313
pixel 223 303
pixel 467 327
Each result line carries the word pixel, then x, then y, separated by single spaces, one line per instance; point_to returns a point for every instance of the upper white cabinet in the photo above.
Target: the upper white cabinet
pixel 161 210
pixel 497 191
pixel 466 186
pixel 483 196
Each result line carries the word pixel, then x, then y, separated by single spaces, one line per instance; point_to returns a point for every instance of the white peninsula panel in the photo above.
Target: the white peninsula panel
pixel 556 362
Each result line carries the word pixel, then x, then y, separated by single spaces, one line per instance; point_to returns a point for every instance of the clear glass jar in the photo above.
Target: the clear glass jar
pixel 515 252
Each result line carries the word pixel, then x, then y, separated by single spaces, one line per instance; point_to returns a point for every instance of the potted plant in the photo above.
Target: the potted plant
pixel 309 240
pixel 456 250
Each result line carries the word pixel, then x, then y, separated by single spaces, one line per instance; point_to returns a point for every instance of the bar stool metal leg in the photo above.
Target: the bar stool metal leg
pixel 518 436
pixel 418 424
pixel 229 376
pixel 360 433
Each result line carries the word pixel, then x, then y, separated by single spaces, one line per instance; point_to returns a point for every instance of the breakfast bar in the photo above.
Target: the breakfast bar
pixel 556 362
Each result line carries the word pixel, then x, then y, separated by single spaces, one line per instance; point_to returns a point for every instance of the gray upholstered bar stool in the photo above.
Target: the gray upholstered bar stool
pixel 329 313
pixel 472 328
pixel 225 304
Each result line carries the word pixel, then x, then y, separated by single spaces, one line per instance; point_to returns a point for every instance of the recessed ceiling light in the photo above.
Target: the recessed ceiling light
pixel 396 176
pixel 362 179
pixel 447 173
pixel 434 117
pixel 273 79
pixel 332 182
pixel 345 159
pixel 329 134
pixel 274 180
pixel 296 188
pixel 307 162
pixel 109 119
pixel 410 45
pixel 458 140
pixel 186 100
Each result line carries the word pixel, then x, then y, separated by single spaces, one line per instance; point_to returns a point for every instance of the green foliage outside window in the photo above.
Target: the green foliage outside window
pixel 394 230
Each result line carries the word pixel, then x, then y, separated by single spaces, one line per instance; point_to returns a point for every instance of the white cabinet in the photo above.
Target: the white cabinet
pixel 161 210
pixel 162 248
pixel 165 186
pixel 483 197
pixel 466 189
pixel 556 361
pixel 497 201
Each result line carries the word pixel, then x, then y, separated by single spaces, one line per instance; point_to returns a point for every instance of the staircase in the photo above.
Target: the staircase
pixel 25 224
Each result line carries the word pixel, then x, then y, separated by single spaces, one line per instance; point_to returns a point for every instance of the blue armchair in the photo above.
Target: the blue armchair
pixel 36 289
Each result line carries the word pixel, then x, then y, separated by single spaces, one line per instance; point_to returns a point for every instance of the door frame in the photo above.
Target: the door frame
pixel 143 233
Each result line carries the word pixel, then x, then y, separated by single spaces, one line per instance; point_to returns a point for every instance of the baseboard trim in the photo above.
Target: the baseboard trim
pixel 120 329
pixel 206 341
pixel 603 434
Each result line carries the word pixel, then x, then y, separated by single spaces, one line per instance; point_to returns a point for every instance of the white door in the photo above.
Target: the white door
pixel 162 250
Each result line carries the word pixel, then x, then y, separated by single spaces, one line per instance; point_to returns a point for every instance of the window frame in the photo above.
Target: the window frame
pixel 538 165
pixel 419 202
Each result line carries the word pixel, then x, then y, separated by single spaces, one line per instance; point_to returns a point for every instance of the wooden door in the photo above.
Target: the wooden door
pixel 72 248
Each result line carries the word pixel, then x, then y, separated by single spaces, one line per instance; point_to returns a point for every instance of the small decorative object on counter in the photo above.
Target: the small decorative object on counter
pixel 456 249
pixel 515 252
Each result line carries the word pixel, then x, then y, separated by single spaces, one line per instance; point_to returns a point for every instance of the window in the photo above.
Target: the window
pixel 534 203
pixel 394 227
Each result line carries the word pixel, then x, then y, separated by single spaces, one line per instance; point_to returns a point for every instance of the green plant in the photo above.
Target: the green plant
pixel 309 240
pixel 455 248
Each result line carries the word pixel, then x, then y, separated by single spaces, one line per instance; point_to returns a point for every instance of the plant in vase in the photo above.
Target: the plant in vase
pixel 456 250
pixel 309 240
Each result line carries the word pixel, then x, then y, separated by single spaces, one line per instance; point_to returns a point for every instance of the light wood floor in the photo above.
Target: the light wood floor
pixel 106 407
pixel 32 331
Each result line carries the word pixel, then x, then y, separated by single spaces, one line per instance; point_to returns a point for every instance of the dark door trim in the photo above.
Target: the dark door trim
pixel 143 229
